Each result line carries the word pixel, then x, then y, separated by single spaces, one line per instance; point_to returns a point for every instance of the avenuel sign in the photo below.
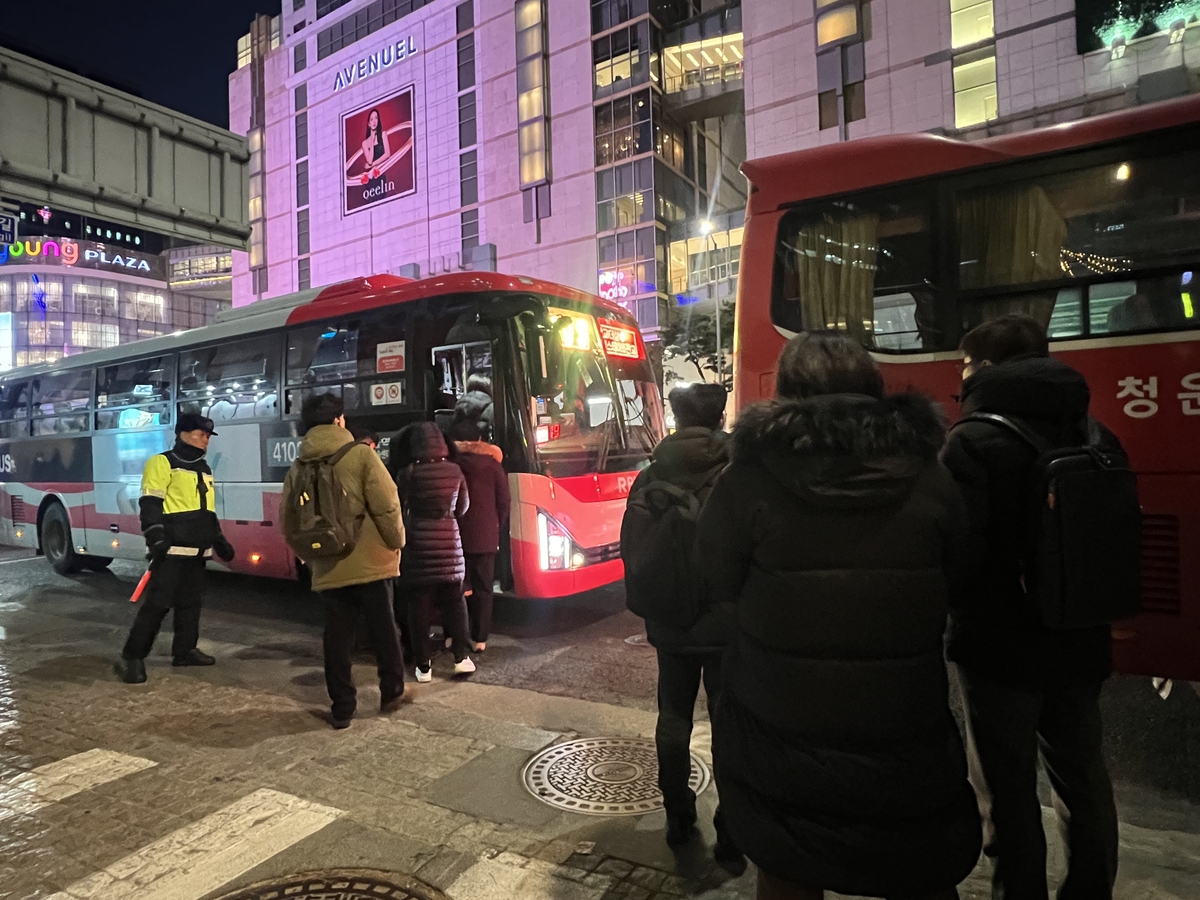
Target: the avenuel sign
pixel 376 62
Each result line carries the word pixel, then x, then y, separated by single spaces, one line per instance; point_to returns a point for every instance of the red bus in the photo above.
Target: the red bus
pixel 576 403
pixel 1092 227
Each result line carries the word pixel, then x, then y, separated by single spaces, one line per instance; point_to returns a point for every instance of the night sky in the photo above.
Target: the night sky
pixel 166 51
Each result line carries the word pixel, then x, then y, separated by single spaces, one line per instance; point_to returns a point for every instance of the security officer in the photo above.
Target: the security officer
pixel 181 529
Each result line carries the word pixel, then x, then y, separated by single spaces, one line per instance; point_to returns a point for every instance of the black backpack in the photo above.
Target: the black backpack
pixel 657 536
pixel 321 526
pixel 1082 564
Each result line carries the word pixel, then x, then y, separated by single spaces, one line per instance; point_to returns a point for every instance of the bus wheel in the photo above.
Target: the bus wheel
pixel 56 542
pixel 95 563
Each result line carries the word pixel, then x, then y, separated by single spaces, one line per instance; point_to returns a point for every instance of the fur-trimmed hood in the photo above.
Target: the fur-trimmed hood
pixel 842 450
pixel 483 448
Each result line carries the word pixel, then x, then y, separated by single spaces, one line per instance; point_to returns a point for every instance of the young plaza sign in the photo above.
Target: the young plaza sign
pixel 81 254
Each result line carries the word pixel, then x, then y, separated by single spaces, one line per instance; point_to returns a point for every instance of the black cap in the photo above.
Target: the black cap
pixel 191 422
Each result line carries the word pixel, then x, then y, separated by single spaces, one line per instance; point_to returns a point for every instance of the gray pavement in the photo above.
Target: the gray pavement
pixel 209 782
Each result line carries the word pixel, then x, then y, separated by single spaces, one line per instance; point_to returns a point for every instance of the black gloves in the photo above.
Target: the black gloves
pixel 157 544
pixel 223 549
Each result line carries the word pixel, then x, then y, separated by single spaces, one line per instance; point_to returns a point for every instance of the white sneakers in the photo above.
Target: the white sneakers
pixel 466 667
pixel 424 676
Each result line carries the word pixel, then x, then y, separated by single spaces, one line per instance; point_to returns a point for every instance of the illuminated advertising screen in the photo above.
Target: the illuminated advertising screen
pixel 379 152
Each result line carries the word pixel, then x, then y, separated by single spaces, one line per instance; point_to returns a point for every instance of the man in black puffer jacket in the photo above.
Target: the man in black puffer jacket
pixel 692 458
pixel 1025 685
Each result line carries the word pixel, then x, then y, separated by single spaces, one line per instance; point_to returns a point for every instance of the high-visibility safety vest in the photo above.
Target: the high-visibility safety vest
pixel 187 491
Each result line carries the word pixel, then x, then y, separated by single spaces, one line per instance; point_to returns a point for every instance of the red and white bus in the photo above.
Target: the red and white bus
pixel 577 413
pixel 1092 227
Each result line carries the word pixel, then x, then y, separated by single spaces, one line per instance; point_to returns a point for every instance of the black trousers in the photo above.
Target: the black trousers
pixel 1006 731
pixel 176 582
pixel 447 597
pixel 679 676
pixel 481 580
pixel 343 607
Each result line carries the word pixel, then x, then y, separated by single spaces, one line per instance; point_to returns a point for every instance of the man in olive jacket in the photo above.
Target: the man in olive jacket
pixel 362 580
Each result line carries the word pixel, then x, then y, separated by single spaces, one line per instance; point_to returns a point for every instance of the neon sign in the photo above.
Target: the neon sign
pixel 376 62
pixel 614 285
pixel 71 253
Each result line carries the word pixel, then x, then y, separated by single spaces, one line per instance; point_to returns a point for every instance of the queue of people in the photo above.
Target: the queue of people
pixel 846 546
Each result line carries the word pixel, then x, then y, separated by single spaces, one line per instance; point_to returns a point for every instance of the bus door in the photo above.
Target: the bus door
pixel 452 368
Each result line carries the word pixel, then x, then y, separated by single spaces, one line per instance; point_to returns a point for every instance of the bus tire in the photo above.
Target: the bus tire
pixel 96 563
pixel 58 547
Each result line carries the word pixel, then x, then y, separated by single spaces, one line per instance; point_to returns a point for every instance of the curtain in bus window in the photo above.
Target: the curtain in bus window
pixel 834 262
pixel 1009 236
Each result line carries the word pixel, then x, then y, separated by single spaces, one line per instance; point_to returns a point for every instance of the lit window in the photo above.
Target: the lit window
pixel 532 122
pixel 970 22
pixel 975 97
pixel 838 24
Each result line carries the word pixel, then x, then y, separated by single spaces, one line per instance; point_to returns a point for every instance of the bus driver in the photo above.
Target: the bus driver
pixel 179 522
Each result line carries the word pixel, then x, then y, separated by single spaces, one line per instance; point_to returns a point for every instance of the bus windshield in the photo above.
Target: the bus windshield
pixel 605 413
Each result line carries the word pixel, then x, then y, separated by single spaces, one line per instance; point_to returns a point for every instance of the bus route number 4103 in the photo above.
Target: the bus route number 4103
pixel 282 451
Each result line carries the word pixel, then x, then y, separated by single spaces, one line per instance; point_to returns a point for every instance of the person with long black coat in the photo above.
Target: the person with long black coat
pixel 433 493
pixel 482 523
pixel 829 546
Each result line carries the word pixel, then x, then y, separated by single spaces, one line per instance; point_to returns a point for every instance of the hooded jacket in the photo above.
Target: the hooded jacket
pixel 372 498
pixel 477 408
pixel 692 459
pixel 434 494
pixel 487 484
pixel 833 534
pixel 994 630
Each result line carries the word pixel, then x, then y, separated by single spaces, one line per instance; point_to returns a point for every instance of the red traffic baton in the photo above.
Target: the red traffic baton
pixel 141 586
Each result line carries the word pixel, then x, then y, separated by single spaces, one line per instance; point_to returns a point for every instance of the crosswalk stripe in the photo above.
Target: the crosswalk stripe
pixel 59 780
pixel 206 855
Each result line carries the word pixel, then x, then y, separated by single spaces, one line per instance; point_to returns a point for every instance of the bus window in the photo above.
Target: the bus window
pixel 60 402
pixel 135 394
pixel 1098 220
pixel 864 267
pixel 322 353
pixel 230 382
pixel 14 409
pixel 1145 304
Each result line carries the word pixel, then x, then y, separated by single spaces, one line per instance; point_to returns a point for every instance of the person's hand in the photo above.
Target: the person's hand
pixel 223 549
pixel 157 544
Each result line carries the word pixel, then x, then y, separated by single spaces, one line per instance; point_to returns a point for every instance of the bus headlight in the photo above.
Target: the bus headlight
pixel 557 550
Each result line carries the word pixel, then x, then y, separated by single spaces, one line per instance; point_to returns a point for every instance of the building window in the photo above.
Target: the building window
pixel 301 135
pixel 533 122
pixel 300 57
pixel 608 14
pixel 621 60
pixel 259 280
pixel 625 195
pixel 361 24
pixel 970 22
pixel 466 62
pixel 301 96
pixel 709 61
pixel 245 52
pixel 302 183
pixel 467 132
pixel 623 128
pixel 464 17
pixel 325 7
pixel 468 178
pixel 975 98
pixel 838 21
pixel 855 100
pixel 298 5
pixel 632 262
pixel 302 247
pixel 303 274
pixel 470 231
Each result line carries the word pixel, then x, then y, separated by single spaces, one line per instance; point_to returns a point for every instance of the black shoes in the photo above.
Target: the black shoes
pixel 194 657
pixel 729 857
pixel 132 671
pixel 339 724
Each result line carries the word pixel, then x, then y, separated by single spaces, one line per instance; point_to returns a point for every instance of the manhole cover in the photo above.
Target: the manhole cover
pixel 340 885
pixel 603 776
